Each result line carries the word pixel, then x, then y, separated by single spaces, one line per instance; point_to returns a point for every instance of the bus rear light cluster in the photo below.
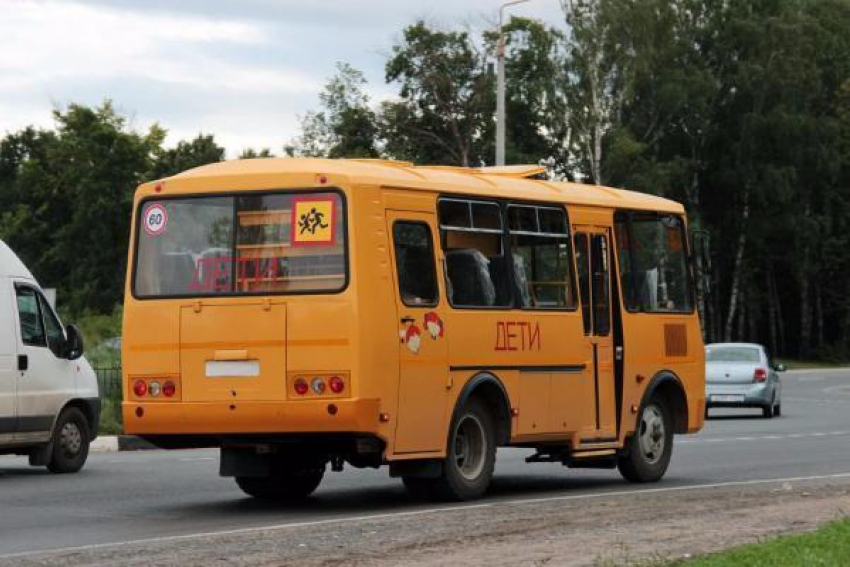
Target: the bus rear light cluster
pixel 319 385
pixel 140 388
pixel 154 388
pixel 336 384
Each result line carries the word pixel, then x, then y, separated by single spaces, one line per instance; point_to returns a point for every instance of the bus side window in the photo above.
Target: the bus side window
pixel 583 279
pixel 653 263
pixel 476 266
pixel 414 256
pixel 601 286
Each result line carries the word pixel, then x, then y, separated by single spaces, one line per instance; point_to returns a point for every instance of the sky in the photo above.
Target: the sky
pixel 243 70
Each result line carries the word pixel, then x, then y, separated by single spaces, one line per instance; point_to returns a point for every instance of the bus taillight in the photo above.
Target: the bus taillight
pixel 169 389
pixel 140 388
pixel 318 385
pixel 301 386
pixel 336 384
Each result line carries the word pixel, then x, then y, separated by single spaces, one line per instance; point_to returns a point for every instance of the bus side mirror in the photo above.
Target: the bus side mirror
pixel 73 343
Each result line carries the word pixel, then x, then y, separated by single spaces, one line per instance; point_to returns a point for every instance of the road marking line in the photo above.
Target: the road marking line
pixel 414 513
pixel 762 437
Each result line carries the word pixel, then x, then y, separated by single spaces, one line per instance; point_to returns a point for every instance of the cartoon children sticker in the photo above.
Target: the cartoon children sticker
pixel 412 337
pixel 434 325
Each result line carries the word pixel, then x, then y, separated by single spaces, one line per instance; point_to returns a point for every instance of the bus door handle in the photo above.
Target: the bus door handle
pixel 408 320
pixel 618 353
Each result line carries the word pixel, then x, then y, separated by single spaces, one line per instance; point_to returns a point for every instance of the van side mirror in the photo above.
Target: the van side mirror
pixel 73 343
pixel 779 367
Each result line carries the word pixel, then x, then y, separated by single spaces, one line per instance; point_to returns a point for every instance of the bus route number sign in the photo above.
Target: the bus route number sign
pixel 155 220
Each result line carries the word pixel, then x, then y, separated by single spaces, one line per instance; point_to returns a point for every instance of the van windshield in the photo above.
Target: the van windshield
pixel 256 243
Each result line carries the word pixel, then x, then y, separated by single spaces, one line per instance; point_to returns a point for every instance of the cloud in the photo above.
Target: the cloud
pixel 241 70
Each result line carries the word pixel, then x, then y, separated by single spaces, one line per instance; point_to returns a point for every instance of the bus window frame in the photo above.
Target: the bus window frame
pixel 432 253
pixel 569 237
pixel 235 195
pixel 628 215
pixel 515 303
pixel 503 241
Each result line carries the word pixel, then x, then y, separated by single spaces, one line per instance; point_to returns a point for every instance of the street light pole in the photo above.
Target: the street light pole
pixel 500 85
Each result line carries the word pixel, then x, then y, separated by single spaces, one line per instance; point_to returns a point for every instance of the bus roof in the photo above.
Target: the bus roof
pixel 507 182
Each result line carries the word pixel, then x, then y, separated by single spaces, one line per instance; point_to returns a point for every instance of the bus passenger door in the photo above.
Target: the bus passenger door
pixel 593 262
pixel 422 347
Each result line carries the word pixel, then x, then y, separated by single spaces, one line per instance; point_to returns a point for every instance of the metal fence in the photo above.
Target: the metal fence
pixel 109 382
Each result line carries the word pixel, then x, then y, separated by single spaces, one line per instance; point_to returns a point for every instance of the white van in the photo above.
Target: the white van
pixel 49 404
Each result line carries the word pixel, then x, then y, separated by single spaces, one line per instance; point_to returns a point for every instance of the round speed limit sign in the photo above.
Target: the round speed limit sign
pixel 155 220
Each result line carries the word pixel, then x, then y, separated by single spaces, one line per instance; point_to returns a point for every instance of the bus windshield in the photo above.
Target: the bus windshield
pixel 254 243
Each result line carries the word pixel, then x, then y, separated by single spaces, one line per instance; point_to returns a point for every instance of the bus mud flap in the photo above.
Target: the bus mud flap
pixel 430 468
pixel 245 462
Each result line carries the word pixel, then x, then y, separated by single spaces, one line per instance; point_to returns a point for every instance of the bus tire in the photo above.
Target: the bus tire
pixel 70 445
pixel 649 449
pixel 471 456
pixel 286 485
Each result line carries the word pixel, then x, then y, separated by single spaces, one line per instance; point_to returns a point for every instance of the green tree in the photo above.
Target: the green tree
pixel 536 112
pixel 71 193
pixel 251 153
pixel 186 155
pixel 447 99
pixel 345 127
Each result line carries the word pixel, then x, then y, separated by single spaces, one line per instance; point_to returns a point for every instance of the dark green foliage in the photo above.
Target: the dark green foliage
pixel 66 196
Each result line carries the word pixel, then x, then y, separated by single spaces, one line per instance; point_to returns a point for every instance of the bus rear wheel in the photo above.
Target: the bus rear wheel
pixel 648 451
pixel 285 485
pixel 468 466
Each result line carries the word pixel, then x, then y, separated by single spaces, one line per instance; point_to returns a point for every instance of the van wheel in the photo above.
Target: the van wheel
pixel 71 439
pixel 468 467
pixel 288 485
pixel 648 450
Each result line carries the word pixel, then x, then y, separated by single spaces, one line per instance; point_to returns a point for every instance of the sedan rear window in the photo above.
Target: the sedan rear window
pixel 732 354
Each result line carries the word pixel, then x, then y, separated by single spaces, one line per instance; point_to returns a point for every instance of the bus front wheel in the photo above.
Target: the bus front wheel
pixel 284 485
pixel 471 457
pixel 648 451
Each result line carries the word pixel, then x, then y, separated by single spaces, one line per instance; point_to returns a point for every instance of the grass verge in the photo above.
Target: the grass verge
pixel 827 546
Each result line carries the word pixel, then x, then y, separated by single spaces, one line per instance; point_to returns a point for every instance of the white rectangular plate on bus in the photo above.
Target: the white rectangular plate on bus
pixel 233 368
pixel 727 398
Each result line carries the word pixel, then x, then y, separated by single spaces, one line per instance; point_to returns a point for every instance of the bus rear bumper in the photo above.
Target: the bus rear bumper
pixel 225 418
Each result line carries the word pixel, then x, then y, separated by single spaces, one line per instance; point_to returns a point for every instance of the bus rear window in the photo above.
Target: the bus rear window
pixel 255 243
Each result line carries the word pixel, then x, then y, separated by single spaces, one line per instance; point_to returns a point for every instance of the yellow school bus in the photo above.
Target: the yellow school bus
pixel 300 313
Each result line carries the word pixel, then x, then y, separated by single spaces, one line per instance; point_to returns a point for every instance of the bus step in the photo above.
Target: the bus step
pixel 549 456
pixel 600 459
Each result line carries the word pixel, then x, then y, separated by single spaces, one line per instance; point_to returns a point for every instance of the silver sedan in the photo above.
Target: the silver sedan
pixel 742 375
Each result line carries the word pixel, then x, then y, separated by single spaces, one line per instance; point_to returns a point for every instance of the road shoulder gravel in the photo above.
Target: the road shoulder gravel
pixel 582 531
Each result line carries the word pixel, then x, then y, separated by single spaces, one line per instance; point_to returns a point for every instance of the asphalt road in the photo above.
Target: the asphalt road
pixel 127 497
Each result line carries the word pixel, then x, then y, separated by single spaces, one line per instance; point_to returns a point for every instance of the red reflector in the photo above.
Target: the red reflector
pixel 169 389
pixel 140 388
pixel 760 375
pixel 301 387
pixel 336 384
pixel 140 412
